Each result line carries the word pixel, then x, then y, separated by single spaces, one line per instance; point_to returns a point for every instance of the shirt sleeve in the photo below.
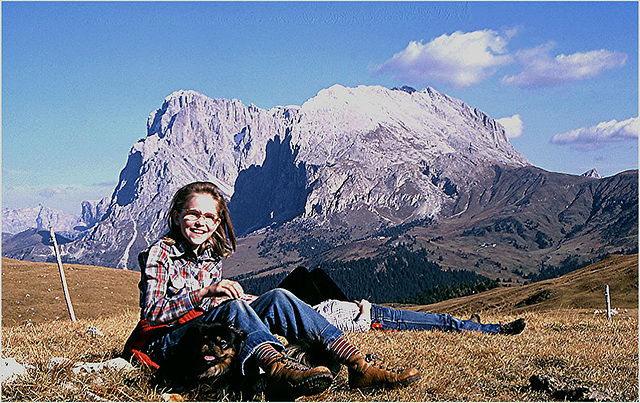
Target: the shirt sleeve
pixel 360 323
pixel 166 298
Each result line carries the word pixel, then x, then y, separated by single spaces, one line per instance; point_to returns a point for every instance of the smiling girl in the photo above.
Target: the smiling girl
pixel 182 284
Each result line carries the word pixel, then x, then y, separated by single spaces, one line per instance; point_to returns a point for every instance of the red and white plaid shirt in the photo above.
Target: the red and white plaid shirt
pixel 171 279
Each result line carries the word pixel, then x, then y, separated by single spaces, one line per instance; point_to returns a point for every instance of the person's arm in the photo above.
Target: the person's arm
pixel 224 287
pixel 362 322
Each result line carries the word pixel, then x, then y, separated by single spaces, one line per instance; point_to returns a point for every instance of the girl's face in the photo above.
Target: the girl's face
pixel 199 219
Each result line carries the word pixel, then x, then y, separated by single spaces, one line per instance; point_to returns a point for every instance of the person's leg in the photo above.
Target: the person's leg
pixel 234 312
pixel 302 285
pixel 400 319
pixel 260 344
pixel 285 314
pixel 327 287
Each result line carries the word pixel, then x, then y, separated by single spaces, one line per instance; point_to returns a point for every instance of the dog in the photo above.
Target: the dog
pixel 204 355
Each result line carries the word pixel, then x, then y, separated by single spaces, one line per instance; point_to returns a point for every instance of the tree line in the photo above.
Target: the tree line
pixel 400 275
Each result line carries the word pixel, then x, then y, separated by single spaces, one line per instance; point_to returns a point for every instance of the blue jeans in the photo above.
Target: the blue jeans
pixel 276 311
pixel 400 319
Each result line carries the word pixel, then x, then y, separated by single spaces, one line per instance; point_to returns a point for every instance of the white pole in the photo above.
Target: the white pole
pixel 606 293
pixel 62 278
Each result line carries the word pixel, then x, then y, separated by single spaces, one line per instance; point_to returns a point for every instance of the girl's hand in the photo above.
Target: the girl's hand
pixel 230 288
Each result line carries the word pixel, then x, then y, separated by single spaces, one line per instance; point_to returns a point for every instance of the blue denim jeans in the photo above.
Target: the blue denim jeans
pixel 400 319
pixel 276 311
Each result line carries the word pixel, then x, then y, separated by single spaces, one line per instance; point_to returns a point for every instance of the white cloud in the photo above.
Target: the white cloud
pixel 67 198
pixel 540 69
pixel 595 136
pixel 461 59
pixel 513 126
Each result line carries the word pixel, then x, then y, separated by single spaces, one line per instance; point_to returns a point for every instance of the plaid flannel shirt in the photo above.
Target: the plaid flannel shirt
pixel 344 315
pixel 171 280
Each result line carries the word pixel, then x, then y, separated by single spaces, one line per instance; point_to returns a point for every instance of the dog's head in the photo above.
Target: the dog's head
pixel 206 350
pixel 217 342
pixel 214 345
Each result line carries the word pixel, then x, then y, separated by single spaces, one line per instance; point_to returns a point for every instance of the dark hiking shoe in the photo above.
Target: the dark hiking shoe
pixel 370 371
pixel 515 327
pixel 294 379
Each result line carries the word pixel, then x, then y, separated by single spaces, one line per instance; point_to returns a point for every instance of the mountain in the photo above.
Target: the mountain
pixel 361 157
pixel 18 220
pixel 93 211
pixel 25 231
pixel 514 224
pixel 356 171
pixel 593 173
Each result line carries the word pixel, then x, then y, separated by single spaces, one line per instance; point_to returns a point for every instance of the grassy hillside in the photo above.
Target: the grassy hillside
pixel 581 289
pixel 32 292
pixel 564 338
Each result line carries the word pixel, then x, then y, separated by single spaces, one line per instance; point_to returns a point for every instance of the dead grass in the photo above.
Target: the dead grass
pixel 32 292
pixel 567 344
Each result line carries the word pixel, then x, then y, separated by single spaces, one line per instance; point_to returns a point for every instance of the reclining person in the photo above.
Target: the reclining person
pixel 363 316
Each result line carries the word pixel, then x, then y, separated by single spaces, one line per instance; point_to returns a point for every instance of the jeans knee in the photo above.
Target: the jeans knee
pixel 237 305
pixel 278 295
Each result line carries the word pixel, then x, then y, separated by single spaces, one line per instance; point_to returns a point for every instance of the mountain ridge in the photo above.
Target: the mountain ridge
pixel 190 129
pixel 345 165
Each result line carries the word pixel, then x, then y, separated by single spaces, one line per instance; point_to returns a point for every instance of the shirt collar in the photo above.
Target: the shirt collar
pixel 181 249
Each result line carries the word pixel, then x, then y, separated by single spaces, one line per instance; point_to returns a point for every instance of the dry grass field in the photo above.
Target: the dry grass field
pixel 563 339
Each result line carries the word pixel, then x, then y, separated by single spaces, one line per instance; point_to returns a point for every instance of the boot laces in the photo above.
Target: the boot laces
pixel 376 361
pixel 290 363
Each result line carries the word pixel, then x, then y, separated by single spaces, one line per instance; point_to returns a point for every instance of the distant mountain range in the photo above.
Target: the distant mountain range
pixel 352 173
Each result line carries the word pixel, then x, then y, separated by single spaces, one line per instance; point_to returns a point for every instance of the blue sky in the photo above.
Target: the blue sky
pixel 79 79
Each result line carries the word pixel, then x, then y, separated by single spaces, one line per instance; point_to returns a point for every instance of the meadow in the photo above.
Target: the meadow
pixel 567 340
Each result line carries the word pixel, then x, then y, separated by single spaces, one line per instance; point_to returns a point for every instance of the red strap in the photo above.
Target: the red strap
pixel 143 333
pixel 144 358
pixel 192 314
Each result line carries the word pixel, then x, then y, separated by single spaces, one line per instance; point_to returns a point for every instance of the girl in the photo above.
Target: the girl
pixel 182 284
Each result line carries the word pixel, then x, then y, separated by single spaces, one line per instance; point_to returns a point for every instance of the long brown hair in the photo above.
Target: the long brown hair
pixel 223 240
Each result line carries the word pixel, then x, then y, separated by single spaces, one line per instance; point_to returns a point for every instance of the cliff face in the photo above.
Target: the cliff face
pixel 356 159
pixel 365 156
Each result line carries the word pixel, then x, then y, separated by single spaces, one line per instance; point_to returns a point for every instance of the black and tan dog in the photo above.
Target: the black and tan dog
pixel 204 355
pixel 204 359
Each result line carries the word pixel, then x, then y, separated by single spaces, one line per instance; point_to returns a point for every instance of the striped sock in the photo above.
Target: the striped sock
pixel 265 353
pixel 343 349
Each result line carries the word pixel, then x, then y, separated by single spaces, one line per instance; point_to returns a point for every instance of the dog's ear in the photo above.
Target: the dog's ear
pixel 240 334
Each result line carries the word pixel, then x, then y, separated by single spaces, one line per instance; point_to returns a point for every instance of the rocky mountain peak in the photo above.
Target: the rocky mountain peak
pixel 592 173
pixel 358 157
pixel 40 217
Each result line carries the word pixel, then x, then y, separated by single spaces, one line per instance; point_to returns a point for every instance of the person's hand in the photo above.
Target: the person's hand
pixel 365 306
pixel 224 287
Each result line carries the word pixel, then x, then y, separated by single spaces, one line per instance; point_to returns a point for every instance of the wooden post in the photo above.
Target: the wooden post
pixel 606 293
pixel 62 278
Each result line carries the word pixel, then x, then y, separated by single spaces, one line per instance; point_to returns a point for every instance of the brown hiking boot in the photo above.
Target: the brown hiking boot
pixel 370 371
pixel 294 379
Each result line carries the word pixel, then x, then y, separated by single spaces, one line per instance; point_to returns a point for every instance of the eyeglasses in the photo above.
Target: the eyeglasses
pixel 195 215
